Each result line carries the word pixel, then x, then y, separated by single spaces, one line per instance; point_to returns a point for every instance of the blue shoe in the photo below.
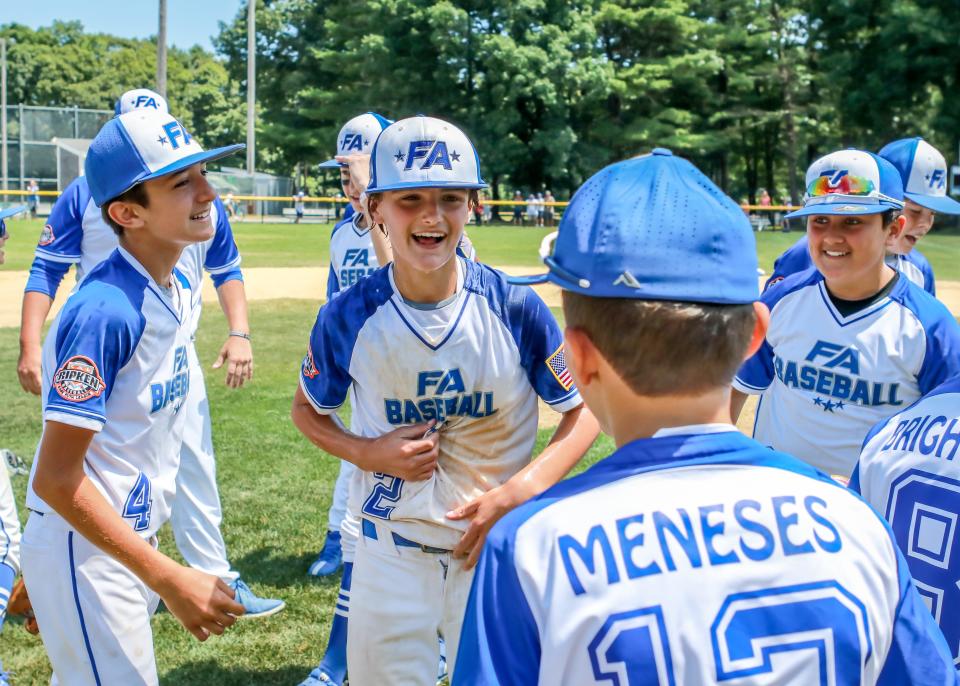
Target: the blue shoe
pixel 253 604
pixel 319 678
pixel 442 667
pixel 330 558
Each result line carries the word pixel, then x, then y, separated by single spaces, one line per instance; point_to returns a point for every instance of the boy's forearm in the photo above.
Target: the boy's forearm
pixel 737 401
pixel 326 431
pixel 33 313
pixel 577 431
pixel 233 302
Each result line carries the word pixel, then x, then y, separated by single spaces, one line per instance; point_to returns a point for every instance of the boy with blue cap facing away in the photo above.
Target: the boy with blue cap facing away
pixel 851 340
pixel 442 429
pixel 693 554
pixel 115 376
pixel 923 172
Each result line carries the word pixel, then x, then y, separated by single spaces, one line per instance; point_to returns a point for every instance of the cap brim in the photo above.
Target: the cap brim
pixel 937 203
pixel 427 184
pixel 10 211
pixel 330 164
pixel 844 208
pixel 196 158
pixel 529 279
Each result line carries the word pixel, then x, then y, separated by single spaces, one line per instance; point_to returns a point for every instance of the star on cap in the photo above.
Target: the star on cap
pixel 162 140
pixel 455 156
pixel 399 156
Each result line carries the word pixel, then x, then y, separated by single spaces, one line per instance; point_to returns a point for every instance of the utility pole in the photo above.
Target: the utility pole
pixel 3 112
pixel 162 50
pixel 251 83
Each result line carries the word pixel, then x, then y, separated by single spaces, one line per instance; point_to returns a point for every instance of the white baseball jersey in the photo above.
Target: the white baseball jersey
pixel 909 471
pixel 115 361
pixel 696 557
pixel 75 233
pixel 476 363
pixel 826 379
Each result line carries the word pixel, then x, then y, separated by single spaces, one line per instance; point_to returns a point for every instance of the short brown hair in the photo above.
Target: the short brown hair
pixel 662 347
pixel 137 194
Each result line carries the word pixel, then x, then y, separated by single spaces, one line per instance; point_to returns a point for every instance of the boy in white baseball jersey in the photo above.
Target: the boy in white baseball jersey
pixel 443 426
pixel 851 341
pixel 693 554
pixel 909 472
pixel 923 172
pixel 116 372
pixel 76 233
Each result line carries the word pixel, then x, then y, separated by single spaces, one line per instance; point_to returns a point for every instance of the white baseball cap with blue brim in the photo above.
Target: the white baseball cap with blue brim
pixel 851 182
pixel 141 145
pixel 923 171
pixel 140 98
pixel 423 152
pixel 653 228
pixel 357 136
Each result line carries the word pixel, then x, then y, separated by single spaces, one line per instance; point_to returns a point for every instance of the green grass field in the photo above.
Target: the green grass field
pixel 274 485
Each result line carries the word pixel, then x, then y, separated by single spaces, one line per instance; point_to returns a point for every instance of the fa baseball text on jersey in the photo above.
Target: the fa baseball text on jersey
pixel 697 556
pixel 909 472
pixel 826 378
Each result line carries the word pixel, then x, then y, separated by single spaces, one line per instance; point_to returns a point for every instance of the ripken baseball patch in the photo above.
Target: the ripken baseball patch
pixel 46 236
pixel 78 379
pixel 308 368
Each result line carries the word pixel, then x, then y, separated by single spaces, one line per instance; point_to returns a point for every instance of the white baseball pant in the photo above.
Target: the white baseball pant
pixel 9 524
pixel 341 492
pixel 94 613
pixel 401 599
pixel 196 514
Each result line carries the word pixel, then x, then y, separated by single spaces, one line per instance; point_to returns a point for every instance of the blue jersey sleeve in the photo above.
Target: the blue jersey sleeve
pixel 333 283
pixel 941 358
pixel 918 653
pixel 923 264
pixel 500 641
pixel 222 260
pixel 540 342
pixel 96 336
pixel 45 276
pixel 61 239
pixel 794 259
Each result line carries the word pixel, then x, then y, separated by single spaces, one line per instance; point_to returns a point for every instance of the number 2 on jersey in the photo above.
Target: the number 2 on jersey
pixel 378 504
pixel 138 504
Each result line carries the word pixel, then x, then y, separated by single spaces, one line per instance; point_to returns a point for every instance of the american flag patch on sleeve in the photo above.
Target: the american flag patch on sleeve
pixel 557 364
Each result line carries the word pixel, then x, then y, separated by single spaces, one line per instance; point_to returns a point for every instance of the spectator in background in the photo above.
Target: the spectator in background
pixel 33 197
pixel 539 205
pixel 548 209
pixel 518 208
pixel 478 209
pixel 532 209
pixel 298 205
pixel 337 206
pixel 765 199
pixel 231 205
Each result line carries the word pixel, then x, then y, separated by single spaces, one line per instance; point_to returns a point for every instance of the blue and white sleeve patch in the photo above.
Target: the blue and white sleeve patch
pixel 918 653
pixel 95 338
pixel 324 373
pixel 222 255
pixel 62 236
pixel 500 641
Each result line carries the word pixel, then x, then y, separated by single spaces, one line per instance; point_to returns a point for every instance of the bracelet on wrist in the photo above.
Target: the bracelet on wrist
pixel 240 334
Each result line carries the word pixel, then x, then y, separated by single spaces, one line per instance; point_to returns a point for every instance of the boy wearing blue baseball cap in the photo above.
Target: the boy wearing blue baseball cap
pixel 442 428
pixel 4 234
pixel 115 375
pixel 693 554
pixel 851 341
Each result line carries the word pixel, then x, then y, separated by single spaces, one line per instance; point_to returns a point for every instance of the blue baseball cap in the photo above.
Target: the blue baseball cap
pixel 8 212
pixel 923 171
pixel 140 145
pixel 423 152
pixel 653 228
pixel 139 98
pixel 851 182
pixel 357 136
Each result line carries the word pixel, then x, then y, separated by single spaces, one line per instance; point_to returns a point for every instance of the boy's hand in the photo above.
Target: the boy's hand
pixel 203 603
pixel 28 368
pixel 483 512
pixel 405 453
pixel 359 166
pixel 238 354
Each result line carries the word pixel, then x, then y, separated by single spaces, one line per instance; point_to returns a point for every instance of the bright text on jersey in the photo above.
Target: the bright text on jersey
pixel 434 401
pixel 174 389
pixel 663 541
pixel 824 375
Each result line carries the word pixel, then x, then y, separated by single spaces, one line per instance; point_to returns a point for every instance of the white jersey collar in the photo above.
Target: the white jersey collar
pixel 690 429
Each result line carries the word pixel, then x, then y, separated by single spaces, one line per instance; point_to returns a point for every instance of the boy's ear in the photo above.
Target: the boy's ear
pixel 126 214
pixel 760 327
pixel 582 355
pixel 896 227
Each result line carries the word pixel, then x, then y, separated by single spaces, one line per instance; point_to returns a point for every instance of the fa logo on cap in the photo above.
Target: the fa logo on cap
pixel 432 152
pixel 353 141
pixel 175 130
pixel 145 101
pixel 938 179
pixel 835 176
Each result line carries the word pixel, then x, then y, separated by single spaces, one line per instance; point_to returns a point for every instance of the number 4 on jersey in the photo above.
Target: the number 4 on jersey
pixel 139 503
